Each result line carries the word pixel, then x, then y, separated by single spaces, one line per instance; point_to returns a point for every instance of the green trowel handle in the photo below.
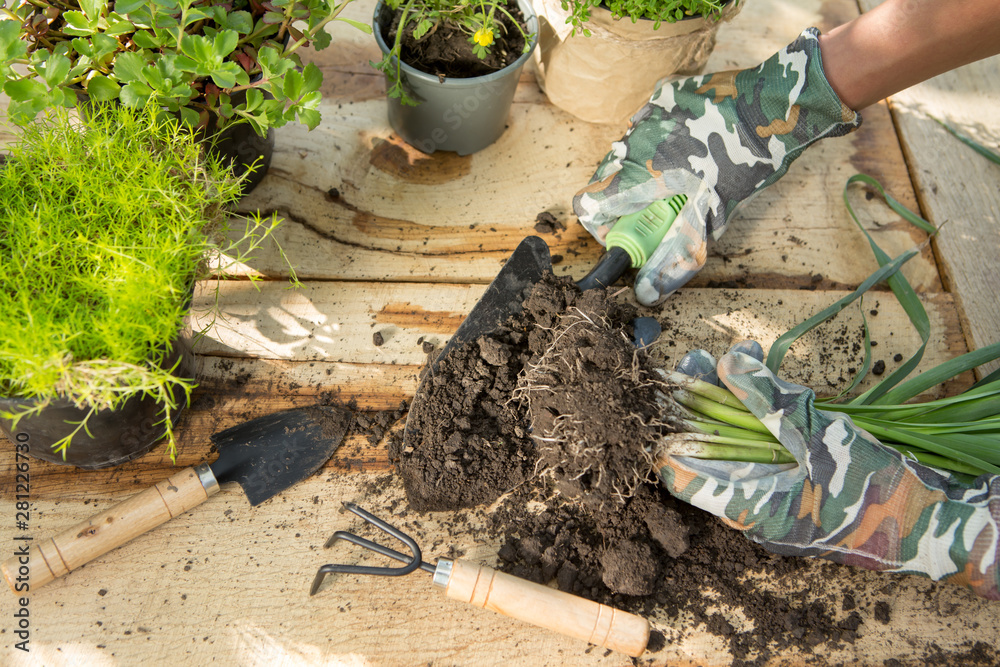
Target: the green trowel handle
pixel 632 240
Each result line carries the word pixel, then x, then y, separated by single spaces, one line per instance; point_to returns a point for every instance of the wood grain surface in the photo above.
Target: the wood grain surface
pixel 388 240
pixel 957 188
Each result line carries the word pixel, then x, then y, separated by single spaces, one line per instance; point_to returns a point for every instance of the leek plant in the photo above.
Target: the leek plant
pixel 960 434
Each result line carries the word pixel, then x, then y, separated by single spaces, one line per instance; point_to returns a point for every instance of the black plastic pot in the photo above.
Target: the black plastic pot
pixel 239 145
pixel 115 436
pixel 242 148
pixel 460 115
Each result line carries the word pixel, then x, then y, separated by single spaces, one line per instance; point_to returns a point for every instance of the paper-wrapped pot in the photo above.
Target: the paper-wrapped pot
pixel 606 77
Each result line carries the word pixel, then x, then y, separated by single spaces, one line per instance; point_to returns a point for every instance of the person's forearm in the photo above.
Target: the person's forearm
pixel 903 42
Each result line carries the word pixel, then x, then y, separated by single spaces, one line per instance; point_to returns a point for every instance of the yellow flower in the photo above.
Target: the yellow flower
pixel 483 37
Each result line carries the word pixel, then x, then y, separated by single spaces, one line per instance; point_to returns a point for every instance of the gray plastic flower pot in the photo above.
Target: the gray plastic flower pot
pixel 460 115
pixel 112 437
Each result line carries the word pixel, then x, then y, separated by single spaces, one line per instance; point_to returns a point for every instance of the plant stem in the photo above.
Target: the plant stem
pixel 682 446
pixel 708 390
pixel 715 410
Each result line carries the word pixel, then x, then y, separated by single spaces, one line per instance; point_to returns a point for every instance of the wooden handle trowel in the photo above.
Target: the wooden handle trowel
pixel 264 456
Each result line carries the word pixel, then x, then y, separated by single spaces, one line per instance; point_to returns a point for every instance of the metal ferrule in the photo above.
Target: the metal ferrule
pixel 442 573
pixel 207 478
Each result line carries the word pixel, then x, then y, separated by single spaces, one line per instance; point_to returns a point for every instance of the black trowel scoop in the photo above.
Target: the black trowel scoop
pixel 264 456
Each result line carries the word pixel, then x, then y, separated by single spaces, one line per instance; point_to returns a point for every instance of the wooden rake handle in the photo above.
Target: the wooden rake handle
pixel 547 607
pixel 56 556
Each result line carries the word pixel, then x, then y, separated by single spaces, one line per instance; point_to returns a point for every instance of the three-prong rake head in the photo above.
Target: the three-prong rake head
pixel 412 562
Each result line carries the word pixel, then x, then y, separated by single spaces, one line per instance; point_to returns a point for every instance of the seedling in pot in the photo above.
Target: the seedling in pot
pixel 479 20
pixel 108 221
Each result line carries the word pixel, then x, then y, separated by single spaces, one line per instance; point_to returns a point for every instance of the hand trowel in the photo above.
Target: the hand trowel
pixel 264 456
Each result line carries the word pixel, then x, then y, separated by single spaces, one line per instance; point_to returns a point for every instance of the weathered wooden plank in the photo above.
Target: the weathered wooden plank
pixel 230 580
pixel 958 188
pixel 260 374
pixel 335 322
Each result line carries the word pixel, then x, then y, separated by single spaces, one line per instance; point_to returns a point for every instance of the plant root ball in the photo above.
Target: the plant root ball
pixel 592 403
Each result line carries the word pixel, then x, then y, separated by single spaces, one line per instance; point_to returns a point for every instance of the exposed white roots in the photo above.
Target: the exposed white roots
pixel 566 446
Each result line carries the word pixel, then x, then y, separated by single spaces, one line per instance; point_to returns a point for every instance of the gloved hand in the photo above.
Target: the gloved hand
pixel 720 139
pixel 848 498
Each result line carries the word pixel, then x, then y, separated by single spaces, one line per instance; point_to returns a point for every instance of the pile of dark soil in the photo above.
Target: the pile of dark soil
pixel 446 50
pixel 555 416
pixel 469 439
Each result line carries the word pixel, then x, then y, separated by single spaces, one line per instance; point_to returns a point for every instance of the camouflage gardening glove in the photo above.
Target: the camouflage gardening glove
pixel 720 139
pixel 848 498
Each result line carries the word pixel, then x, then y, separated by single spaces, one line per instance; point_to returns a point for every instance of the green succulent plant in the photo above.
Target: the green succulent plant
pixel 238 60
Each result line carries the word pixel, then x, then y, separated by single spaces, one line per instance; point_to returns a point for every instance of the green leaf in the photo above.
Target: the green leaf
pixel 195 14
pixel 225 76
pixel 311 100
pixel 128 67
pixel 224 79
pixel 77 24
pixel 84 47
pixel 310 118
pixel 189 116
pixel 62 97
pixel 155 79
pixel 293 85
pixel 322 39
pixel 23 112
pixel 363 27
pixel 241 22
pixel 781 345
pixel 905 294
pixel 422 27
pixel 254 99
pixel 147 39
pixel 25 90
pixel 940 373
pixel 128 6
pixel 103 46
pixel 197 48
pixel 118 26
pixel 102 89
pixel 56 69
pixel 12 47
pixel 94 9
pixel 312 78
pixel 974 145
pixel 225 43
pixel 272 64
pixel 135 94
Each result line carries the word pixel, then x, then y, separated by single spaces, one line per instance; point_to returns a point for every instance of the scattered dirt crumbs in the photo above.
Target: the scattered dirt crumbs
pixel 548 426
